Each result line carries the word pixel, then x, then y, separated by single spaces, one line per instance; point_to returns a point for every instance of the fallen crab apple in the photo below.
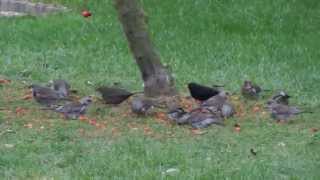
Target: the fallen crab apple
pixel 86 13
pixel 237 128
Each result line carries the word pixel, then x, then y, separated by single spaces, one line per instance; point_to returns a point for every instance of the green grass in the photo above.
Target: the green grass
pixel 275 43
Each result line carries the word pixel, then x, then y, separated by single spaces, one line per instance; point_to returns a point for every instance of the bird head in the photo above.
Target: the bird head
pixel 176 113
pixel 284 94
pixel 34 87
pixel 86 100
pixel 247 84
pixel 224 94
pixel 192 85
pixel 100 89
pixel 271 103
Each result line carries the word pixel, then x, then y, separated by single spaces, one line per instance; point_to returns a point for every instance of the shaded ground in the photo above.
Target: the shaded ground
pixel 274 43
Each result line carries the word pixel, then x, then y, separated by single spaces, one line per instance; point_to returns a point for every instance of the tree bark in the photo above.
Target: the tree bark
pixel 157 79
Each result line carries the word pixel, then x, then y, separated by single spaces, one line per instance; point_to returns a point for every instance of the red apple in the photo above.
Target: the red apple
pixel 237 127
pixel 86 13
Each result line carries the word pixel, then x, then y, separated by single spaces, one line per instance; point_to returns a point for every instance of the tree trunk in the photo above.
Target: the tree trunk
pixel 157 79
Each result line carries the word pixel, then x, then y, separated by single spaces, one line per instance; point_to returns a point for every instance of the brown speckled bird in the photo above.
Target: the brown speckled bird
pixel 283 112
pixel 61 86
pixel 281 97
pixel 75 109
pixel 45 95
pixel 250 90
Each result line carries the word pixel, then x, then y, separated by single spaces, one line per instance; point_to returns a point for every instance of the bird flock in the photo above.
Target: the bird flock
pixel 214 102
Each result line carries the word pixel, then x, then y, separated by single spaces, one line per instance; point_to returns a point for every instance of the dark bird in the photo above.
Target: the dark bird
pixel 74 109
pixel 250 90
pixel 141 106
pixel 283 112
pixel 45 95
pixel 281 98
pixel 113 95
pixel 200 92
pixel 62 87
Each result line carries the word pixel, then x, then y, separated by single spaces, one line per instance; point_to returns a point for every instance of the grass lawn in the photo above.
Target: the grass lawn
pixel 274 43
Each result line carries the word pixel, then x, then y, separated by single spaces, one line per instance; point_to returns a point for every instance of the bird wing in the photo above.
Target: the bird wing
pixel 46 93
pixel 216 101
pixel 72 108
pixel 281 109
pixel 295 110
pixel 256 88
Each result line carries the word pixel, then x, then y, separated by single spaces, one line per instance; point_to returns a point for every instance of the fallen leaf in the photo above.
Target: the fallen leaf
pixel 147 130
pixel 20 111
pixel 4 81
pixel 240 112
pixel 161 116
pixel 256 109
pixel 236 98
pixel 28 125
pixel 83 118
pixel 187 103
pixel 198 131
pixel 314 130
pixel 132 126
pixel 27 97
pixel 101 125
pixel 115 131
pixel 9 145
pixel 93 122
pixel 263 112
